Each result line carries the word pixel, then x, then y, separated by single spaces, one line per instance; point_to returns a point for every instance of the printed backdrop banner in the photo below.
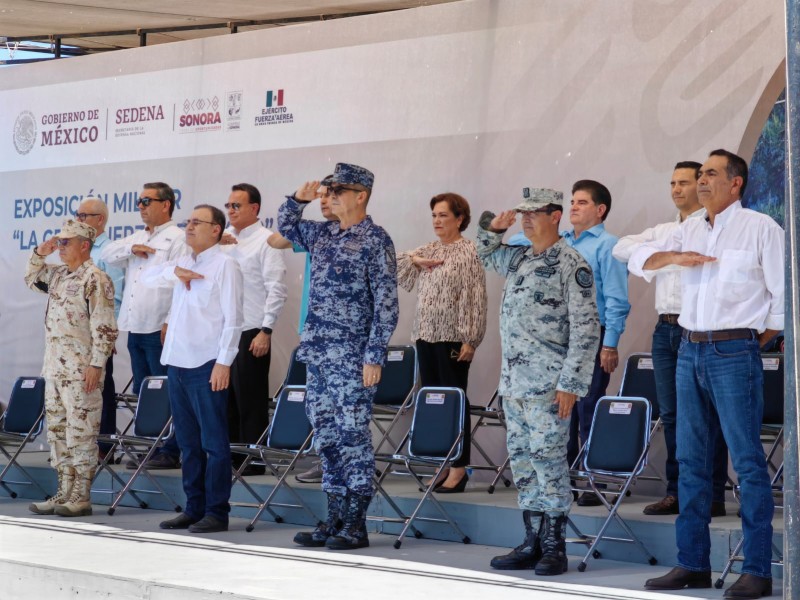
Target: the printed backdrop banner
pixel 478 97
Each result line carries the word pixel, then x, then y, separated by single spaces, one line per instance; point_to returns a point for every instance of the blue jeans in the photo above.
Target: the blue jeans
pixel 728 377
pixel 145 350
pixel 666 341
pixel 201 426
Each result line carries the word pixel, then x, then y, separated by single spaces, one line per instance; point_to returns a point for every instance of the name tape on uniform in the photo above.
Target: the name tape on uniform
pixel 646 364
pixel 395 355
pixel 771 364
pixel 432 398
pixel 28 383
pixel 620 408
pixel 155 384
pixel 296 396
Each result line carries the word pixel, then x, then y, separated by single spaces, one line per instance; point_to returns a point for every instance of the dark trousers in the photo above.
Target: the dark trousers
pixel 583 411
pixel 248 398
pixel 108 418
pixel 439 366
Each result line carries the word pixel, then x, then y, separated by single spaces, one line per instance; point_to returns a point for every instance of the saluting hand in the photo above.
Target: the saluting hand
pixel 308 191
pixel 47 248
pixel 503 221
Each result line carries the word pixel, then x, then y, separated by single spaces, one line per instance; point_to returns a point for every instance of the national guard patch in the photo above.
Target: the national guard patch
pixel 584 277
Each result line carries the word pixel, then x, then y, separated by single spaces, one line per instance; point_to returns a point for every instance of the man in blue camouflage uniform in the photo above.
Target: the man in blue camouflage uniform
pixel 352 313
pixel 550 331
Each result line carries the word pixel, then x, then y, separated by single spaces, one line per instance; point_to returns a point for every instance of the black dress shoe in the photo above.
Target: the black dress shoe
pixel 718 509
pixel 209 524
pixel 182 521
pixel 456 489
pixel 589 499
pixel 680 578
pixel 749 586
pixel 668 505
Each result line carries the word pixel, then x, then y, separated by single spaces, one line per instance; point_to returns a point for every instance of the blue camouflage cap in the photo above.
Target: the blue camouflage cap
pixel 352 174
pixel 536 198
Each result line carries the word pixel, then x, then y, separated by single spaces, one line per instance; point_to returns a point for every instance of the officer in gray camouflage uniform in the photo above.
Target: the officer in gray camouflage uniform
pixel 80 331
pixel 352 312
pixel 550 331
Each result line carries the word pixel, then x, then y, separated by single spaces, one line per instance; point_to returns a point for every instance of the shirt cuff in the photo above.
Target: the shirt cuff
pixel 611 338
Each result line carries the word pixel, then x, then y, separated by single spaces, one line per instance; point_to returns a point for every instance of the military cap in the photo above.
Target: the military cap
pixel 327 180
pixel 536 198
pixel 72 228
pixel 352 174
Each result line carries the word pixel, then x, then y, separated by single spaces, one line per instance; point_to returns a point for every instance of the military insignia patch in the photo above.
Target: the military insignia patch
pixel 584 277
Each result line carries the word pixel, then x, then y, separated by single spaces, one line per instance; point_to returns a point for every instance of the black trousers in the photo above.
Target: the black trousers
pixel 248 395
pixel 108 416
pixel 439 366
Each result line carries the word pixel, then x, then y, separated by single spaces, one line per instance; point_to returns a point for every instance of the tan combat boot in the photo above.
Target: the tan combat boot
pixel 79 503
pixel 66 475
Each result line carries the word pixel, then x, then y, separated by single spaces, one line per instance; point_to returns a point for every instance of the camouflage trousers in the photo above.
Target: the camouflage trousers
pixel 73 421
pixel 340 410
pixel 537 447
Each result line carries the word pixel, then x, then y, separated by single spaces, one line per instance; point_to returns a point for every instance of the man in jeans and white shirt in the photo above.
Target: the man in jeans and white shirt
pixel 667 337
pixel 732 303
pixel 143 313
pixel 202 341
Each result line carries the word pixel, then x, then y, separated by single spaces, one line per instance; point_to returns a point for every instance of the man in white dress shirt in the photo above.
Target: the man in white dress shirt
pixel 201 343
pixel 264 295
pixel 731 304
pixel 667 338
pixel 144 311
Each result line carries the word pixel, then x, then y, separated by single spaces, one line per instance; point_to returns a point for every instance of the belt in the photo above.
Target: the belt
pixel 720 335
pixel 668 318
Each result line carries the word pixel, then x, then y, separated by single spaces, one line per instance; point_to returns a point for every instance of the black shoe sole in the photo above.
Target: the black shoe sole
pixel 517 567
pixel 346 546
pixel 307 542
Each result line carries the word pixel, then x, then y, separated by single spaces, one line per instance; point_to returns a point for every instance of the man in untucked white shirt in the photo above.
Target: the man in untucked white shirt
pixel 264 296
pixel 732 294
pixel 202 340
pixel 667 339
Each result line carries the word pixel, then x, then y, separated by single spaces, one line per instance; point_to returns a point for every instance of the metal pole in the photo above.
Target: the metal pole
pixel 791 495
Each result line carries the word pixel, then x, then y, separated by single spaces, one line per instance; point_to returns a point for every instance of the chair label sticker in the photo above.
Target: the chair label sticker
pixel 645 364
pixel 431 398
pixel 771 364
pixel 395 355
pixel 155 384
pixel 28 384
pixel 296 396
pixel 620 408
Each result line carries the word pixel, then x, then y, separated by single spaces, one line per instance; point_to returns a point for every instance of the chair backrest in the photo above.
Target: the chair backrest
pixel 296 373
pixel 290 426
pixel 619 435
pixel 153 410
pixel 438 420
pixel 773 389
pixel 25 406
pixel 398 376
pixel 639 379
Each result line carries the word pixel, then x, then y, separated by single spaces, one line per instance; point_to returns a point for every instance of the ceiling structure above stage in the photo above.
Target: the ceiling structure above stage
pixel 91 26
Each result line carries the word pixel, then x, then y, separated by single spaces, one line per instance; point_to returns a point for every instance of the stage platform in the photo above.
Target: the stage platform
pixel 127 556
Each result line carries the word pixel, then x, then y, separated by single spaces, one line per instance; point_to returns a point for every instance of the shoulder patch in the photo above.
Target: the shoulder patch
pixel 584 277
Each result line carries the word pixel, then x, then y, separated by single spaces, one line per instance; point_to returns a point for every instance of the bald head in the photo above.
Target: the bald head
pixel 94 212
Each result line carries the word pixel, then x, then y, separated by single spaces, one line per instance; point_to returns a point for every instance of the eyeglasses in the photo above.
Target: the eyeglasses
pixel 196 222
pixel 62 242
pixel 147 201
pixel 82 216
pixel 338 190
pixel 235 205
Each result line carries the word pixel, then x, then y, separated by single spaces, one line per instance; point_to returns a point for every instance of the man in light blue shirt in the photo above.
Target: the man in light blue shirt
pixel 94 212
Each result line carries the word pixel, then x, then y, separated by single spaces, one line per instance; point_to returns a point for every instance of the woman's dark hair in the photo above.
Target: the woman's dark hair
pixel 458 205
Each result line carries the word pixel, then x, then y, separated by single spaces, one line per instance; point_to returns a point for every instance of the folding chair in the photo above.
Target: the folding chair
pixel 395 393
pixel 436 438
pixel 491 415
pixel 152 426
pixel 19 424
pixel 616 454
pixel 289 435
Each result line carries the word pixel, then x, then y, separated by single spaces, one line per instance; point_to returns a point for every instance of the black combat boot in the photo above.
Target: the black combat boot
pixel 554 546
pixel 528 553
pixel 353 534
pixel 318 537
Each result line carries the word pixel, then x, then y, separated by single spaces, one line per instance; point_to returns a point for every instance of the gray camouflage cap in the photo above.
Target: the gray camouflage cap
pixel 346 173
pixel 536 198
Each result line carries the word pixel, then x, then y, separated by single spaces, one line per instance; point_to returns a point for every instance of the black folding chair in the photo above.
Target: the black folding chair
pixel 19 424
pixel 491 415
pixel 615 455
pixel 152 426
pixel 288 436
pixel 436 438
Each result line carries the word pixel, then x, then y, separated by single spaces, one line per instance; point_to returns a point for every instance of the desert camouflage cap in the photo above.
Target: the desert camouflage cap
pixel 536 198
pixel 72 228
pixel 346 173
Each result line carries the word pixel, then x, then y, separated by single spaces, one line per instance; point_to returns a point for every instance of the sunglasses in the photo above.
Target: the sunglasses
pixel 235 205
pixel 62 242
pixel 338 190
pixel 147 201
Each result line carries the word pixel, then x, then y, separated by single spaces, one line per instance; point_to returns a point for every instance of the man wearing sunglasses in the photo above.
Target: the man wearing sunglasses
pixel 80 331
pixel 351 316
pixel 144 311
pixel 264 296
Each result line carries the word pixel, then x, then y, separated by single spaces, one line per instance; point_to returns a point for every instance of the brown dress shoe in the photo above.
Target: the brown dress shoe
pixel 680 578
pixel 749 586
pixel 666 506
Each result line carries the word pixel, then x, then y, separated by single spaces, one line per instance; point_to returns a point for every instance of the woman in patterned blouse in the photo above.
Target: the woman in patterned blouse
pixel 450 318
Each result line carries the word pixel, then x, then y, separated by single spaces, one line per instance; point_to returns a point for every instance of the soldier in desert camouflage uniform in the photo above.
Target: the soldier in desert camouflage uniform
pixel 80 331
pixel 550 332
pixel 351 316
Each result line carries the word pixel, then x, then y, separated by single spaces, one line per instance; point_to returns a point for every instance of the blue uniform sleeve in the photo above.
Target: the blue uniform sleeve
pixel 293 227
pixel 615 291
pixel 383 285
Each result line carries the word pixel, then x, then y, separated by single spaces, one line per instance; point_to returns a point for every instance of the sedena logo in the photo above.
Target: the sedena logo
pixel 274 111
pixel 274 98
